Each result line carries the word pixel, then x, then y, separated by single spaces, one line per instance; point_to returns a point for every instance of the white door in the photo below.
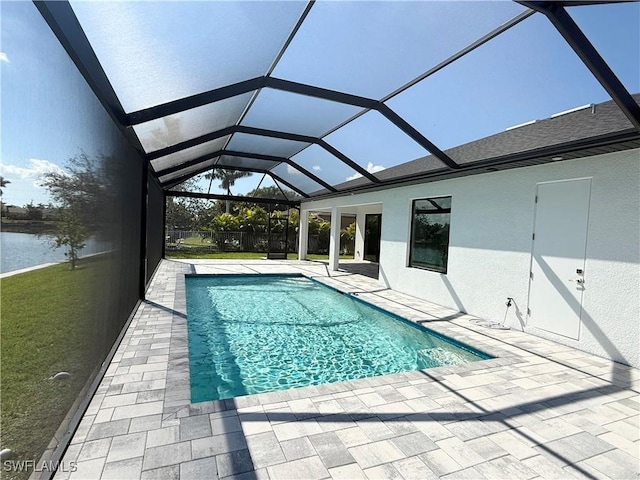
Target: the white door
pixel 558 277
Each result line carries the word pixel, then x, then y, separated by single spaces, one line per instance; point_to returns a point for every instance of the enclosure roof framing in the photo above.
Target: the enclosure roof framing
pixel 255 156
pixel 260 132
pixel 176 181
pixel 329 133
pixel 590 56
pixel 235 198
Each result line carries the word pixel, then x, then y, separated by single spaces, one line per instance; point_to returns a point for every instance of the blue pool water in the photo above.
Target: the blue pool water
pixel 258 333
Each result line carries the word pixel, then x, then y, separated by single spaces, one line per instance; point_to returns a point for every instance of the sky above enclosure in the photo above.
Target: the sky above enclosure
pixel 364 48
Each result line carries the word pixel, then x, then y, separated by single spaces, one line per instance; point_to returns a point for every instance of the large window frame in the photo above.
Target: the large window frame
pixel 434 210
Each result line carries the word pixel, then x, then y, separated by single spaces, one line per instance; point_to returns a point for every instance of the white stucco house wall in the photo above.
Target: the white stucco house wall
pixel 561 238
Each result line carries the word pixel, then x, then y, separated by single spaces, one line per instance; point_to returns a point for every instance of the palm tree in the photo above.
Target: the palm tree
pixel 227 180
pixel 3 183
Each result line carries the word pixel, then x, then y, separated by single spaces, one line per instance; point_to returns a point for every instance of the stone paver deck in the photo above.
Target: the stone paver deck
pixel 538 410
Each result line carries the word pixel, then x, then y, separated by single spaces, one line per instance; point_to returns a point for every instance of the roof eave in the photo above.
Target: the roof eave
pixel 612 142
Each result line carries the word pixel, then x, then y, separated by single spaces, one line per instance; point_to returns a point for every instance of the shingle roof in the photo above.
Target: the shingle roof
pixel 577 133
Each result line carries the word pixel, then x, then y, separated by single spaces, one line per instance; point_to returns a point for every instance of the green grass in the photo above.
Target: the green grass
pixel 313 256
pixel 186 254
pixel 196 241
pixel 48 326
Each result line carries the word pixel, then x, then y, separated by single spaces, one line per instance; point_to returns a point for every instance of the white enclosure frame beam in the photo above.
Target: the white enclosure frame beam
pixel 303 235
pixel 334 239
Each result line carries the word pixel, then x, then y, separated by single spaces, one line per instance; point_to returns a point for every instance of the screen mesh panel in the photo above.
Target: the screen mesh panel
pixel 614 29
pixel 156 52
pixel 187 170
pixel 243 162
pixel 373 48
pixel 242 142
pixel 269 189
pixel 533 74
pixel 197 183
pixel 380 143
pixel 242 182
pixel 296 178
pixel 190 153
pixel 73 316
pixel 193 123
pixel 296 113
pixel 155 227
pixel 323 164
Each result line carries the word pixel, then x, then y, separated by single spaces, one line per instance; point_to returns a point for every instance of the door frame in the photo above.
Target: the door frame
pixel 531 254
pixel 365 243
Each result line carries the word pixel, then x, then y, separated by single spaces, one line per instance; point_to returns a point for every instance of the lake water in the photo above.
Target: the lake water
pixel 23 250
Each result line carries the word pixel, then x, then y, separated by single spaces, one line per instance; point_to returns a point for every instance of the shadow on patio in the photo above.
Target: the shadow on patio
pixel 368 269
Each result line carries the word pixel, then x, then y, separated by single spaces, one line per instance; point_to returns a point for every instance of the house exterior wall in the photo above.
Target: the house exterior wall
pixel 490 246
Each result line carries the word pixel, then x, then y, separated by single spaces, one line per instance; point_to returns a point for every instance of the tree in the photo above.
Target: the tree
pixel 225 223
pixel 294 222
pixel 184 213
pixel 34 212
pixel 272 192
pixel 349 232
pixel 227 180
pixel 279 220
pixel 81 195
pixel 83 190
pixel 179 215
pixel 72 234
pixel 348 237
pixel 3 183
pixel 253 219
pixel 319 227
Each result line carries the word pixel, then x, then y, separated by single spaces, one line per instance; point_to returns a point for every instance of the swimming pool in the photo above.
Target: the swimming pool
pixel 258 333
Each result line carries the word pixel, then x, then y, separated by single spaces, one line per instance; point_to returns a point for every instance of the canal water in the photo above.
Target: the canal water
pixel 23 250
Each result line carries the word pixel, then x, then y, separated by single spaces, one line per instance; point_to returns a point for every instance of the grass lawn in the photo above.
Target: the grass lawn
pixel 196 241
pixel 47 327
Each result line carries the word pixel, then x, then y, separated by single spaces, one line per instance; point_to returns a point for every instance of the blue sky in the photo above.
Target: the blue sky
pixel 161 51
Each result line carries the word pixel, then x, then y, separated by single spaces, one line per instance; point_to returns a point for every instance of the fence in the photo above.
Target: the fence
pixel 208 241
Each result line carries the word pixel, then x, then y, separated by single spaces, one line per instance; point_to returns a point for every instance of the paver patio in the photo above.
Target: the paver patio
pixel 538 410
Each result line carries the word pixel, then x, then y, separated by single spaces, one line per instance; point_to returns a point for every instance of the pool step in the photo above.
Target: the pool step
pixel 441 356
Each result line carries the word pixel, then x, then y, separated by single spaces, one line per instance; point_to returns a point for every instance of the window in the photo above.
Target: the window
pixel 430 233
